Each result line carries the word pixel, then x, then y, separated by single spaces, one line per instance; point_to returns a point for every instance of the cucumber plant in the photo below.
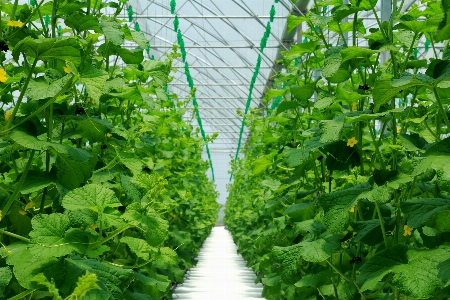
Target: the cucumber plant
pixel 103 191
pixel 343 191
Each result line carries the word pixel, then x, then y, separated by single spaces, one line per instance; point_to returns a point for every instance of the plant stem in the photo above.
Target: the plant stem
pixel 19 185
pixel 441 109
pixel 19 237
pixel 409 53
pixel 22 94
pixel 431 131
pixel 21 295
pixel 112 235
pixel 383 230
pixel 377 149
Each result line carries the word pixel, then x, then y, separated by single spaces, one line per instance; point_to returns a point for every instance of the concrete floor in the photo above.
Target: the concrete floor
pixel 220 274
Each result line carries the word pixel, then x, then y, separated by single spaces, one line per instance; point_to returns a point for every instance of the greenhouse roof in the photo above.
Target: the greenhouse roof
pixel 222 41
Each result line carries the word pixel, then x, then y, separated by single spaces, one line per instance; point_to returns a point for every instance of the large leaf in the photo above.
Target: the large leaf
pixel 140 247
pixel 81 22
pixel 94 80
pixel 337 205
pixel 157 70
pixel 408 270
pixel 71 172
pixel 295 157
pixel 421 210
pixel 40 89
pixel 154 228
pixel 92 196
pixel 115 279
pixel 54 237
pixel 384 90
pixel 64 48
pixel 111 29
pixel 5 277
pixel 369 232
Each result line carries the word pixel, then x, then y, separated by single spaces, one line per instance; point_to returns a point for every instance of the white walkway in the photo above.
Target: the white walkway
pixel 220 273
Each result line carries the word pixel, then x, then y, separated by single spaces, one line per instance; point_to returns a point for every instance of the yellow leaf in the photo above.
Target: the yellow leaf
pixel 3 75
pixel 7 116
pixel 66 69
pixel 29 205
pixel 14 23
pixel 22 212
pixel 352 209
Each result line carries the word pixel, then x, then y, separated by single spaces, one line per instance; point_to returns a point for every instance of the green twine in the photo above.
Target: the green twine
pixel 60 30
pixel 305 40
pixel 266 36
pixel 181 44
pixel 137 27
pixel 148 49
pixel 33 3
pixel 176 23
pixel 416 53
pixel 173 5
pixel 272 13
pixel 263 45
pixel 46 21
pixel 130 13
pixel 190 81
pixel 427 45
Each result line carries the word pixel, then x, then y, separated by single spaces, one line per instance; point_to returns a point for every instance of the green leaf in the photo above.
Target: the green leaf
pixel 385 89
pixel 130 189
pixel 301 211
pixel 300 49
pixel 139 247
pixel 421 210
pixel 165 257
pixel 72 172
pixel 53 236
pixel 354 52
pixel 92 196
pixel 85 283
pixel 295 157
pixel 39 89
pixel 36 180
pixel 286 105
pixel 337 205
pixel 260 165
pixel 154 228
pixel 94 80
pixel 157 70
pixel 26 266
pixel 332 61
pixel 408 271
pixel 81 22
pixel 315 279
pixel 92 128
pixel 115 279
pixel 140 39
pixel 369 232
pixel 304 92
pixel 42 280
pixel 161 282
pixel 381 194
pixel 294 21
pixel 112 30
pixel 134 56
pixel 64 48
pixel 5 277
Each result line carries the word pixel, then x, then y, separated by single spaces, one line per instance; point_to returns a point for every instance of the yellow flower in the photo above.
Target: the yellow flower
pixel 109 134
pixel 355 106
pixel 352 142
pixel 181 212
pixel 14 23
pixel 3 75
pixel 66 69
pixel 407 230
pixel 7 116
pixel 29 205
pixel 22 212
pixel 352 209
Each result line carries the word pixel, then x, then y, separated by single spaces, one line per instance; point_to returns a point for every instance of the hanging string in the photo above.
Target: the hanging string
pixel 130 13
pixel 190 81
pixel 263 45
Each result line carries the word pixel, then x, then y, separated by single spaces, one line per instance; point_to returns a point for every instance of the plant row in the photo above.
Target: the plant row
pixel 343 191
pixel 103 190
